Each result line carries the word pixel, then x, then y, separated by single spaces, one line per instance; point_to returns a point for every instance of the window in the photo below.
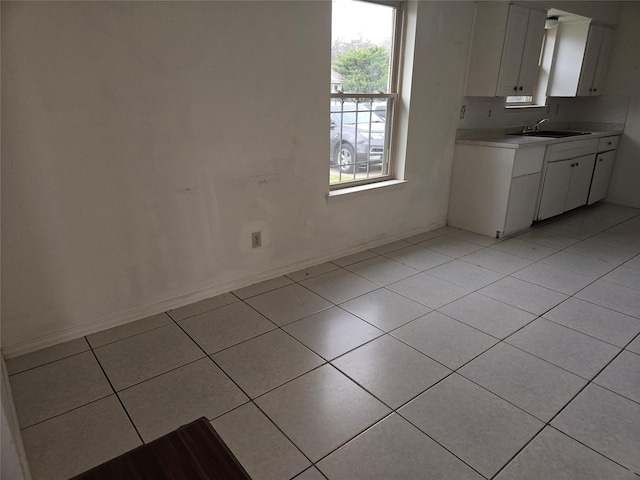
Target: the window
pixel 364 90
pixel 544 65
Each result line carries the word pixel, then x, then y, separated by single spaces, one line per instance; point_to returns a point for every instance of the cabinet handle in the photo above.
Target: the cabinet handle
pixel 520 89
pixel 609 143
pixel 573 165
pixel 577 163
pixel 591 89
pixel 595 89
pixel 515 89
pixel 600 159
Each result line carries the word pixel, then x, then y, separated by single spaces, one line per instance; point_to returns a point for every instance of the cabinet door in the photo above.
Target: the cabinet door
pixel 512 51
pixel 522 202
pixel 601 176
pixel 604 56
pixel 554 190
pixel 531 52
pixel 581 173
pixel 590 60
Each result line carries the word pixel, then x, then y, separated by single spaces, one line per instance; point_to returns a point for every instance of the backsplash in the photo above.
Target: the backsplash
pixel 489 112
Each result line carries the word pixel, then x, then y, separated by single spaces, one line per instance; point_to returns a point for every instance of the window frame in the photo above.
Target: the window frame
pixel 391 97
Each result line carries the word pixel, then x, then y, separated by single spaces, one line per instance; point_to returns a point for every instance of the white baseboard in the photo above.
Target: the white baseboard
pixel 134 314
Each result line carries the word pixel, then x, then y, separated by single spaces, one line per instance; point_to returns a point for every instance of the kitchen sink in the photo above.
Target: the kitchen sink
pixel 551 134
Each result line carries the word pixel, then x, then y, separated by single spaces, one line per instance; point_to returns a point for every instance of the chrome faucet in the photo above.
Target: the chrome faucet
pixel 534 128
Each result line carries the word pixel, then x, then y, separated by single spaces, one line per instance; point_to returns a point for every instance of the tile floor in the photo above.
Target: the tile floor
pixel 447 355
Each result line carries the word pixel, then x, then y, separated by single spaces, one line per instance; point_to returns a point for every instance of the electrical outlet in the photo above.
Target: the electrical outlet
pixel 463 110
pixel 256 239
pixel 489 115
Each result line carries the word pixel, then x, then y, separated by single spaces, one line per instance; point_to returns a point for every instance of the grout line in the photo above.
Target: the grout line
pixel 118 397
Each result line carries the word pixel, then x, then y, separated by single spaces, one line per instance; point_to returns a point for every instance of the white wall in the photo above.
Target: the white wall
pixel 624 80
pixel 144 141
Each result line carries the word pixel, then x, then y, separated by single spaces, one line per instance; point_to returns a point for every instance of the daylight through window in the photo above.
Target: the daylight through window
pixel 365 39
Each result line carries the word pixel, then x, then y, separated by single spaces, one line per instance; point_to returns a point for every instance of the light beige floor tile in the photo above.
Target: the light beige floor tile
pixel 428 290
pixel 202 306
pixel 266 362
pixel 634 346
pixel 54 388
pixel 390 370
pixel 226 326
pixel 78 440
pixel 288 304
pixel 465 274
pixel 566 348
pixel 138 358
pixel 339 286
pixel 555 456
pixel 446 340
pixel 622 376
pixel 264 452
pixel 385 309
pixel 168 401
pixel 580 231
pixel 354 258
pixel 314 271
pixel 393 449
pixel 633 263
pixel 557 279
pixel 497 261
pixel 596 321
pixel 477 238
pixel 524 295
pixel 128 330
pixel 548 239
pixel 616 297
pixel 332 332
pixel 628 241
pixel 601 251
pixel 446 230
pixel 321 410
pixel 628 277
pixel 262 287
pixel 472 423
pixel 575 262
pixel 46 355
pixel 422 237
pixel 450 246
pixel 390 247
pixel 528 382
pixel 311 474
pixel 382 270
pixel 521 248
pixel 488 315
pixel 419 258
pixel 606 422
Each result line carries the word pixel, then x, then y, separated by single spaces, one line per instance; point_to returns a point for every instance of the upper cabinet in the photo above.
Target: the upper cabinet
pixel 505 50
pixel 581 59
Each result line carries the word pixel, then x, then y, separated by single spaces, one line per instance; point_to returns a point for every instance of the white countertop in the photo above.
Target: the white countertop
pixel 518 141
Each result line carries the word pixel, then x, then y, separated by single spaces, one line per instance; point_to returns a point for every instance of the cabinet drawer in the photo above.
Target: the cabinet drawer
pixel 528 160
pixel 608 143
pixel 578 148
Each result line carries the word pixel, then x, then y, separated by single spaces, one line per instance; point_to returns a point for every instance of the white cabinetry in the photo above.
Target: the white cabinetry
pixel 567 177
pixel 603 168
pixel 581 60
pixel 494 190
pixel 505 50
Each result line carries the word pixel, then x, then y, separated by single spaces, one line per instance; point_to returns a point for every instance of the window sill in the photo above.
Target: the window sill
pixel 364 188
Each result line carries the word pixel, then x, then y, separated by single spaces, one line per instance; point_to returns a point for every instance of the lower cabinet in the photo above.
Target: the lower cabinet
pixel 567 177
pixel 603 168
pixel 493 189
